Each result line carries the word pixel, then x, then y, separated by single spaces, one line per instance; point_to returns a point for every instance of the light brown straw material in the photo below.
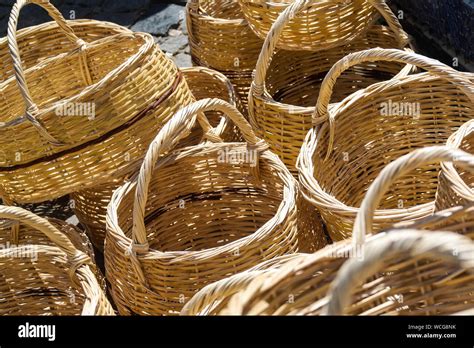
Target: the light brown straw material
pixel 90 205
pixel 299 285
pixel 315 25
pixel 220 38
pixel 340 159
pixel 111 102
pixel 47 279
pixel 287 83
pixel 200 214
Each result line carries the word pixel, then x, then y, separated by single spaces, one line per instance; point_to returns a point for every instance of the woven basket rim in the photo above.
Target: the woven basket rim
pixel 203 15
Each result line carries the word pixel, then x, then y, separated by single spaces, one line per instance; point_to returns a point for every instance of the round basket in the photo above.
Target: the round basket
pixel 220 38
pixel 374 126
pixel 90 205
pixel 299 284
pixel 49 279
pixel 92 106
pixel 314 25
pixel 200 214
pixel 287 83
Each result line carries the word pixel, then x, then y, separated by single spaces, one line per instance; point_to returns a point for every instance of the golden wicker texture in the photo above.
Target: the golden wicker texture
pixel 314 25
pixel 200 214
pixel 340 159
pixel 287 83
pixel 220 38
pixel 299 284
pixel 49 279
pixel 90 205
pixel 132 90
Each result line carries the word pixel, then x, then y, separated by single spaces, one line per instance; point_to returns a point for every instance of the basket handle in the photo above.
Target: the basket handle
pixel 76 257
pixel 273 36
pixel 173 131
pixel 31 108
pixel 450 247
pixel 397 168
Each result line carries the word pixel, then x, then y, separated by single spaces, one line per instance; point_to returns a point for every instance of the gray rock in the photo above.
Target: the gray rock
pixel 125 19
pixel 85 3
pixel 125 5
pixel 159 19
pixel 173 44
pixel 183 60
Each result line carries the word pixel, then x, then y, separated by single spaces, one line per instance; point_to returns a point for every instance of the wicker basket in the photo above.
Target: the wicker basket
pixel 299 284
pixel 205 212
pixel 54 279
pixel 90 205
pixel 221 39
pixel 287 83
pixel 340 159
pixel 40 150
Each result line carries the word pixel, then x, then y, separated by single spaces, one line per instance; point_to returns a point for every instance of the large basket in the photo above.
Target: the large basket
pixel 49 279
pixel 340 159
pixel 220 38
pixel 90 205
pixel 205 212
pixel 105 102
pixel 299 284
pixel 287 83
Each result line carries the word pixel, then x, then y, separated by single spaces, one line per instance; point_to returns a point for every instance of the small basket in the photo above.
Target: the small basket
pixel 205 212
pixel 220 38
pixel 90 205
pixel 287 83
pixel 299 284
pixel 340 159
pixel 105 102
pixel 55 278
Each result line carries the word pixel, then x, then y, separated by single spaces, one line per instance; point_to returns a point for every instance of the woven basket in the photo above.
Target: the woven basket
pixel 54 279
pixel 287 83
pixel 40 149
pixel 90 205
pixel 299 284
pixel 314 25
pixel 220 38
pixel 340 159
pixel 205 212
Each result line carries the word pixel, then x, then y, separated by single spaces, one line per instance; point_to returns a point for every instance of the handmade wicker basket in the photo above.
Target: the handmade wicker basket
pixel 49 279
pixel 90 205
pixel 287 83
pixel 45 155
pixel 200 214
pixel 314 25
pixel 340 159
pixel 299 284
pixel 220 38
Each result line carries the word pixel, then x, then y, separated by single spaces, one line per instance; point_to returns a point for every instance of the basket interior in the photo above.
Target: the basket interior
pixel 199 202
pixel 223 9
pixel 468 146
pixel 367 139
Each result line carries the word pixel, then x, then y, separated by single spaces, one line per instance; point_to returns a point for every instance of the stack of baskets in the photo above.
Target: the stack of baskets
pixel 306 138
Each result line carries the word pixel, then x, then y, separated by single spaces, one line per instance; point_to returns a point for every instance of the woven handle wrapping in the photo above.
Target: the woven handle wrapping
pixel 292 11
pixel 397 168
pixel 449 247
pixel 175 130
pixel 31 107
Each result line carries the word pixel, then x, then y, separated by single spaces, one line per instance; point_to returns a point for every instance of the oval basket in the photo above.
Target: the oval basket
pixel 287 83
pixel 90 205
pixel 365 132
pixel 67 286
pixel 90 107
pixel 205 212
pixel 406 277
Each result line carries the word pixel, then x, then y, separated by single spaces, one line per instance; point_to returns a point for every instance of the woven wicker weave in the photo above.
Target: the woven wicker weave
pixel 340 159
pixel 90 205
pixel 40 150
pixel 54 279
pixel 314 25
pixel 198 217
pixel 299 284
pixel 287 83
